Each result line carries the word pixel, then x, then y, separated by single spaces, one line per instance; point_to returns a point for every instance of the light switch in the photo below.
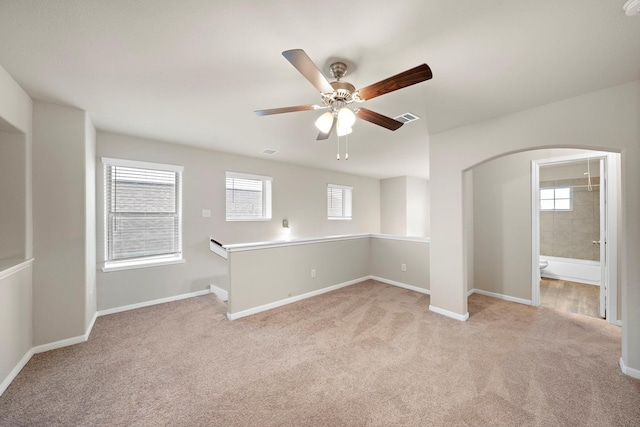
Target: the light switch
pixel 206 213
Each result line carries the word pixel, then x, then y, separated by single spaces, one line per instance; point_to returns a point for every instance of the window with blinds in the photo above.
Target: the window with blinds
pixel 143 221
pixel 339 201
pixel 248 197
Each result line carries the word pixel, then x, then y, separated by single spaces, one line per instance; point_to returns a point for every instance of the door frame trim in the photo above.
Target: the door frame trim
pixel 610 264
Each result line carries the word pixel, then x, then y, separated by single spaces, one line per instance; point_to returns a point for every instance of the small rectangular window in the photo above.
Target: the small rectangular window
pixel 339 201
pixel 143 213
pixel 248 197
pixel 555 199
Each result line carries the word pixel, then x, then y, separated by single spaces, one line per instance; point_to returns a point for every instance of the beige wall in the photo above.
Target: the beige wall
pixel 570 234
pixel 404 206
pixel 15 322
pixel 417 207
pixel 12 195
pixel 393 206
pixel 387 256
pixel 264 276
pixel 61 273
pixel 502 221
pixel 16 288
pixel 603 120
pixel 299 194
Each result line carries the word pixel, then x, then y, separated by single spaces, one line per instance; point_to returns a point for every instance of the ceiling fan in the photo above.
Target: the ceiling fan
pixel 336 96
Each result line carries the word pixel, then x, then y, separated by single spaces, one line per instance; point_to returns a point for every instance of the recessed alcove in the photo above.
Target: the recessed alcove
pixel 13 194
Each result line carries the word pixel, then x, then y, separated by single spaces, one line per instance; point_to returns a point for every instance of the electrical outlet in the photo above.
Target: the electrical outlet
pixel 403 267
pixel 313 272
pixel 206 213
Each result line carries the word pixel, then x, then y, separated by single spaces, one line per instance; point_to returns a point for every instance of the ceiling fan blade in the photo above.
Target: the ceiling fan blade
pixel 308 69
pixel 378 119
pixel 287 109
pixel 322 136
pixel 399 81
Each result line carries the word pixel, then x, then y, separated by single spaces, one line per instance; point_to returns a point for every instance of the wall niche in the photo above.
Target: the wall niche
pixel 13 195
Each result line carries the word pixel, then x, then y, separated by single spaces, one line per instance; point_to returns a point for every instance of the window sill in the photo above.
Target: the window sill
pixel 248 219
pixel 338 219
pixel 130 265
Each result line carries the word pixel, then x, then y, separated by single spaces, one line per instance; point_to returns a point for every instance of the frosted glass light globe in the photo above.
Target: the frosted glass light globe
pixel 324 122
pixel 346 118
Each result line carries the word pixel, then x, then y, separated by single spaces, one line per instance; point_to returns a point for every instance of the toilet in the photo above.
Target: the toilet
pixel 543 264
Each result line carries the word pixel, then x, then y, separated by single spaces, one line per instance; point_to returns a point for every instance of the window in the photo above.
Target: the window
pixel 248 197
pixel 143 214
pixel 339 201
pixel 555 199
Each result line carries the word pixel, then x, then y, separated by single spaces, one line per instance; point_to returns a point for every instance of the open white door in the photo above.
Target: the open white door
pixel 602 241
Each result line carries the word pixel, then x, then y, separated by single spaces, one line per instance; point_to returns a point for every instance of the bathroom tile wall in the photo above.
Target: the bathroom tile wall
pixel 570 234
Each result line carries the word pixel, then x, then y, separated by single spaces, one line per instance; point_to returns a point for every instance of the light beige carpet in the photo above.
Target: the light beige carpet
pixel 366 355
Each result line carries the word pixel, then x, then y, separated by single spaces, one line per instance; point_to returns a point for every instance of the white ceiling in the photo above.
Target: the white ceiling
pixel 193 71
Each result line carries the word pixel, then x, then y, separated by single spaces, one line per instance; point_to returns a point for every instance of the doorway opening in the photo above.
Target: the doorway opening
pixel 574 234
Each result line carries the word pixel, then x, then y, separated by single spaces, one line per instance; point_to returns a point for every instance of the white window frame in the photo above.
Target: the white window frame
pixel 344 215
pixel 555 198
pixel 145 261
pixel 266 192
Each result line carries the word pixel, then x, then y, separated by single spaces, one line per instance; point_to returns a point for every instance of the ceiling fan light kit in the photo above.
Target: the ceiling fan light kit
pixel 632 7
pixel 324 122
pixel 339 94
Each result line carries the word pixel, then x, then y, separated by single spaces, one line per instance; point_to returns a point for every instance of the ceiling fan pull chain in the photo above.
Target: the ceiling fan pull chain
pixel 346 147
pixel 338 146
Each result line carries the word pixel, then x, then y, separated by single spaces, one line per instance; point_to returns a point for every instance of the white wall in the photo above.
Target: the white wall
pixel 16 288
pixel 90 222
pixel 603 120
pixel 299 194
pixel 62 271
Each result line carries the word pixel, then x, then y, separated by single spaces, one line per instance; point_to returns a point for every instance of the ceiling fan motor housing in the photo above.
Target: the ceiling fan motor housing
pixel 338 70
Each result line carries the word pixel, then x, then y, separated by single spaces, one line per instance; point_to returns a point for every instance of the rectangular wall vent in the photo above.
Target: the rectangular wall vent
pixel 407 117
pixel 268 151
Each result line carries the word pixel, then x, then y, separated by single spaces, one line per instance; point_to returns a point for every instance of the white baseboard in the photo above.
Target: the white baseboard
pixel 616 322
pixel 90 328
pixel 451 314
pixel 220 293
pixel 153 302
pixel 471 292
pixel 15 371
pixel 68 341
pixel 401 285
pixel 45 347
pixel 635 373
pixel 270 306
pixel 59 344
pixel 503 297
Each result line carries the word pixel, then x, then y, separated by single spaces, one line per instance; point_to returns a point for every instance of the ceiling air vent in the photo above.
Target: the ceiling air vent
pixel 407 117
pixel 268 151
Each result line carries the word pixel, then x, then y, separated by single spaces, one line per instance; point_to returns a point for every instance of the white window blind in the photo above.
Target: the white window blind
pixel 143 220
pixel 248 197
pixel 339 201
pixel 555 199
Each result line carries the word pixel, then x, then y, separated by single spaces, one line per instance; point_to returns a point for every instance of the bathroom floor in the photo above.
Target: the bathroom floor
pixel 571 297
